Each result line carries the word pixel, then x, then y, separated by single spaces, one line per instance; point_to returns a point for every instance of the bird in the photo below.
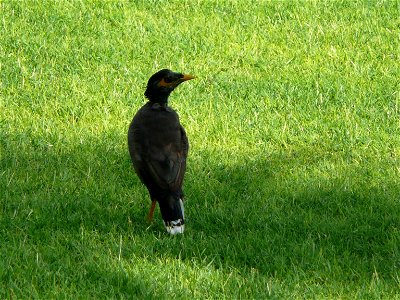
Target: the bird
pixel 158 147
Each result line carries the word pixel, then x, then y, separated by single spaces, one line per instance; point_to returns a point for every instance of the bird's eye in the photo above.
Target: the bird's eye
pixel 168 79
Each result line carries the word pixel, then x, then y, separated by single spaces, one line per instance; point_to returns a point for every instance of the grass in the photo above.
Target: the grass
pixel 292 187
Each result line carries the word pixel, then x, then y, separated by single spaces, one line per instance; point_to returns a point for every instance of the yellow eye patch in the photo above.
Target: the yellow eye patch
pixel 174 83
pixel 165 84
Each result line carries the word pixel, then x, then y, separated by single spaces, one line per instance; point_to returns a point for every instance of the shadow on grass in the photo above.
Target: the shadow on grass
pixel 300 215
pixel 284 216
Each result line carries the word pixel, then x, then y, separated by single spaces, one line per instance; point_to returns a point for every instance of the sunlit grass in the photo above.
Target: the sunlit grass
pixel 293 174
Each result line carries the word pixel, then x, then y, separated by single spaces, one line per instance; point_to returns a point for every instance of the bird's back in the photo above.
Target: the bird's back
pixel 154 130
pixel 158 147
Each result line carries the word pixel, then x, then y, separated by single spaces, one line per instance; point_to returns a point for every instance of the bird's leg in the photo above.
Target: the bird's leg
pixel 151 212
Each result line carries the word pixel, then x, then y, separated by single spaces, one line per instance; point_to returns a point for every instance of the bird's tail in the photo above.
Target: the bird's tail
pixel 173 214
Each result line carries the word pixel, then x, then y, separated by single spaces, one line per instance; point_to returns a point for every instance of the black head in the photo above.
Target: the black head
pixel 162 83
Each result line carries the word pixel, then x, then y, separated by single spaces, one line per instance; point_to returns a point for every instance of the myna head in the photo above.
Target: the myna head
pixel 162 83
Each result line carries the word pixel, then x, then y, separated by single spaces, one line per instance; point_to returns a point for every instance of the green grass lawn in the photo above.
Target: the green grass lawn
pixel 293 180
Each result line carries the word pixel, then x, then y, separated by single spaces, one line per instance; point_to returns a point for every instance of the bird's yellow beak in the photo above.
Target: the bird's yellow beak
pixel 187 77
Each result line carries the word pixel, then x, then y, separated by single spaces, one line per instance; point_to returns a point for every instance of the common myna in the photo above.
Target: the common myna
pixel 158 146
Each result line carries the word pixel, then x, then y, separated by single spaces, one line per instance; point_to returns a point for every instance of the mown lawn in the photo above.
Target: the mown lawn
pixel 293 180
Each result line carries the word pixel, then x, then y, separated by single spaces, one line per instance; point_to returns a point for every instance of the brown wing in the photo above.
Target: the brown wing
pixel 162 164
pixel 167 166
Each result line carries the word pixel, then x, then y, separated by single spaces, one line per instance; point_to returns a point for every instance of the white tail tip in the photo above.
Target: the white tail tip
pixel 175 227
